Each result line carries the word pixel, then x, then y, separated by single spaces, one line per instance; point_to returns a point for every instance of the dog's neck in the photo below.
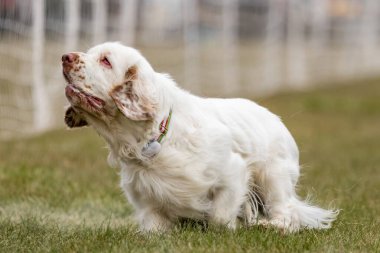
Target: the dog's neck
pixel 127 138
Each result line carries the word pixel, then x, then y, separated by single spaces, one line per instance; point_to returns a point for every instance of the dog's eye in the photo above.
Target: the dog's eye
pixel 105 62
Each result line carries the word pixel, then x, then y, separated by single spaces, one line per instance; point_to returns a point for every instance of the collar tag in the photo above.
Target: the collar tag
pixel 153 147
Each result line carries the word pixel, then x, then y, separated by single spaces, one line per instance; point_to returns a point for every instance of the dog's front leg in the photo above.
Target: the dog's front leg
pixel 228 198
pixel 153 221
pixel 223 213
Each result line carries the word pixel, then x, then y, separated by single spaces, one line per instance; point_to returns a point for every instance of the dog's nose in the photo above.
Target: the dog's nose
pixel 69 58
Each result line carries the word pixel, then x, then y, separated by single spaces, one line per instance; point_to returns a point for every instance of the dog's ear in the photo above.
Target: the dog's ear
pixel 74 118
pixel 133 97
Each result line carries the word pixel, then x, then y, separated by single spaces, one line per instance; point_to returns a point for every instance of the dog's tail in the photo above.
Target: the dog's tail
pixel 305 215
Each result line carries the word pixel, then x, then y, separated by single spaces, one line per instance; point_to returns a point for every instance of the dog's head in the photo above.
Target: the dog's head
pixel 109 79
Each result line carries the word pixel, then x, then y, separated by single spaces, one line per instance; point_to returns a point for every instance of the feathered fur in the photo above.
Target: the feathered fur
pixel 221 158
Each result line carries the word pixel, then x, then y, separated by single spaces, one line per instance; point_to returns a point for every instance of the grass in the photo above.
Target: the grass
pixel 58 194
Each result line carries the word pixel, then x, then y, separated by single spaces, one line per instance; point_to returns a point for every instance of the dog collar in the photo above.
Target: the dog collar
pixel 153 147
pixel 164 127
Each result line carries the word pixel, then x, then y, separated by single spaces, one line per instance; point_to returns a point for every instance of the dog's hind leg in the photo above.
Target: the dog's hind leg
pixel 252 210
pixel 230 193
pixel 284 209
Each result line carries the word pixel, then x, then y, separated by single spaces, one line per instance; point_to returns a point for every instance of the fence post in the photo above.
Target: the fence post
pixel 191 40
pixel 99 20
pixel 319 23
pixel 296 63
pixel 321 63
pixel 41 111
pixel 369 30
pixel 72 22
pixel 128 16
pixel 272 62
pixel 230 19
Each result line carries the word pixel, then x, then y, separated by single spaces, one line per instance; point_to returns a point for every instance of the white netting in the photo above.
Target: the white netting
pixel 16 101
pixel 211 47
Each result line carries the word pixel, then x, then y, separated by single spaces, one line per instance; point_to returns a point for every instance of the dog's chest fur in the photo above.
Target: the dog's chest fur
pixel 170 187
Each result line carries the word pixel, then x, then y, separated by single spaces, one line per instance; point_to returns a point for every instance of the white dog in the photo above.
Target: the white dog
pixel 182 156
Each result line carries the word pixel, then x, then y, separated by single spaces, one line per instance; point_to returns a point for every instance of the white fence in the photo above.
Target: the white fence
pixel 211 47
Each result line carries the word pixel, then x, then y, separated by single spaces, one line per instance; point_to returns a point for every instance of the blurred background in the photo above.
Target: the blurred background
pixel 226 48
pixel 316 63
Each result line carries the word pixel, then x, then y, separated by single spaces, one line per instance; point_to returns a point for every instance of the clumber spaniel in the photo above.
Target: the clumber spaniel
pixel 225 161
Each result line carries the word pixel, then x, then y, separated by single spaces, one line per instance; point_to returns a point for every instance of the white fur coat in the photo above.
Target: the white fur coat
pixel 226 161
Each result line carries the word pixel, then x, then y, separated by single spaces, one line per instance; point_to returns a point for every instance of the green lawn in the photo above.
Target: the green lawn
pixel 58 194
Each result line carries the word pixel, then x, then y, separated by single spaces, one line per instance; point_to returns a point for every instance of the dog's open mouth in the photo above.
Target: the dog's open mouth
pixel 80 98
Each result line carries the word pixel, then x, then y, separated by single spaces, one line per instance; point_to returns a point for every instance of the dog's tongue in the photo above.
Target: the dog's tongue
pixel 69 90
pixel 72 94
pixel 76 95
pixel 96 101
